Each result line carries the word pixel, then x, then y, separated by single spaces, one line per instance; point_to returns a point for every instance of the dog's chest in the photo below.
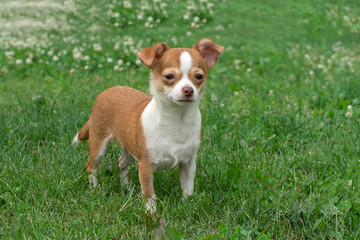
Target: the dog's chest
pixel 167 150
pixel 171 140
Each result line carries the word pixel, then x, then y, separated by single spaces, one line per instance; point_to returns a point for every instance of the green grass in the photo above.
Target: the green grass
pixel 279 157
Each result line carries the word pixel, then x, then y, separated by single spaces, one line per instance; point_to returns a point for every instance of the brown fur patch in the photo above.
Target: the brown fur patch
pixel 116 114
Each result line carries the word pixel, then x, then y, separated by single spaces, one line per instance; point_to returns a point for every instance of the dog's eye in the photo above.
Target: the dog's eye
pixel 199 76
pixel 169 76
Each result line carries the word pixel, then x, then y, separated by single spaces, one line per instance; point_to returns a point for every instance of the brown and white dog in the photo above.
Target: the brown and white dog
pixel 162 131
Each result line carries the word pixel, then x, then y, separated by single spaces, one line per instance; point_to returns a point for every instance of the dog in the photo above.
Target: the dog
pixel 159 132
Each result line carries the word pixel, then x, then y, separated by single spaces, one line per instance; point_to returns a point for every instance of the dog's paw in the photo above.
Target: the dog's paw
pixel 94 182
pixel 150 206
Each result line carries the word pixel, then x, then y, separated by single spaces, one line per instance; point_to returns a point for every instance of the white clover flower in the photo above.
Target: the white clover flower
pixel 249 70
pixel 55 58
pixel 186 16
pixel 129 41
pixel 349 114
pixel 110 60
pixel 349 108
pixel 196 19
pixel 140 16
pixel 150 19
pixel 97 47
pixel 174 40
pixel 100 65
pixel 4 70
pixel 192 6
pixel 9 54
pixel 50 53
pixel 28 61
pixel 77 55
pixel 77 49
pixel 188 33
pixel 127 4
pixel 219 27
pixel 145 6
pixel 118 68
pixel 271 93
pixel 320 66
pixel 86 67
pixel 115 15
pixel 138 62
pixel 237 61
pixel 117 46
pixel 19 61
pixel 85 58
pixel 120 62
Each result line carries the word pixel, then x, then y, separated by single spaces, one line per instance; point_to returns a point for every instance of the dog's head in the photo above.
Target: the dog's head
pixel 179 74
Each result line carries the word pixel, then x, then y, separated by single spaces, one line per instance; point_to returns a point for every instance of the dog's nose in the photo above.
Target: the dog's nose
pixel 188 91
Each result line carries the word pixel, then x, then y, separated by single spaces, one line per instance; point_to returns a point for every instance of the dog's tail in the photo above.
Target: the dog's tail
pixel 82 135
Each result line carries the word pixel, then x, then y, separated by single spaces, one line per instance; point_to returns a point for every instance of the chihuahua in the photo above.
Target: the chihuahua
pixel 159 132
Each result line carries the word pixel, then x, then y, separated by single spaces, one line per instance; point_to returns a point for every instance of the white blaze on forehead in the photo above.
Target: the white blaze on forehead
pixel 185 63
pixel 177 92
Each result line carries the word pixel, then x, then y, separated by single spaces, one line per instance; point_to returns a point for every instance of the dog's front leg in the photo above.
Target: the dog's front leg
pixel 187 175
pixel 146 175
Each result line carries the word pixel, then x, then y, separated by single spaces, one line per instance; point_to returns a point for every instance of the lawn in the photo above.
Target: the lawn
pixel 280 151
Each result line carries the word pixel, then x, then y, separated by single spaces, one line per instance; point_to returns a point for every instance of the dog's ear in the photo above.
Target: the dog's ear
pixel 149 56
pixel 209 51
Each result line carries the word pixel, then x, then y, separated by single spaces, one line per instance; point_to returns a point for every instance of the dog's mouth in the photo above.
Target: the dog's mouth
pixel 182 100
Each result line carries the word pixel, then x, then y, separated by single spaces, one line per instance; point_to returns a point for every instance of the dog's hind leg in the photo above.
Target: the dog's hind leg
pixel 124 161
pixel 97 149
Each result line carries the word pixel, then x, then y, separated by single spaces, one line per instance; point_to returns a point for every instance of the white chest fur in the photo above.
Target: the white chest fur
pixel 172 134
